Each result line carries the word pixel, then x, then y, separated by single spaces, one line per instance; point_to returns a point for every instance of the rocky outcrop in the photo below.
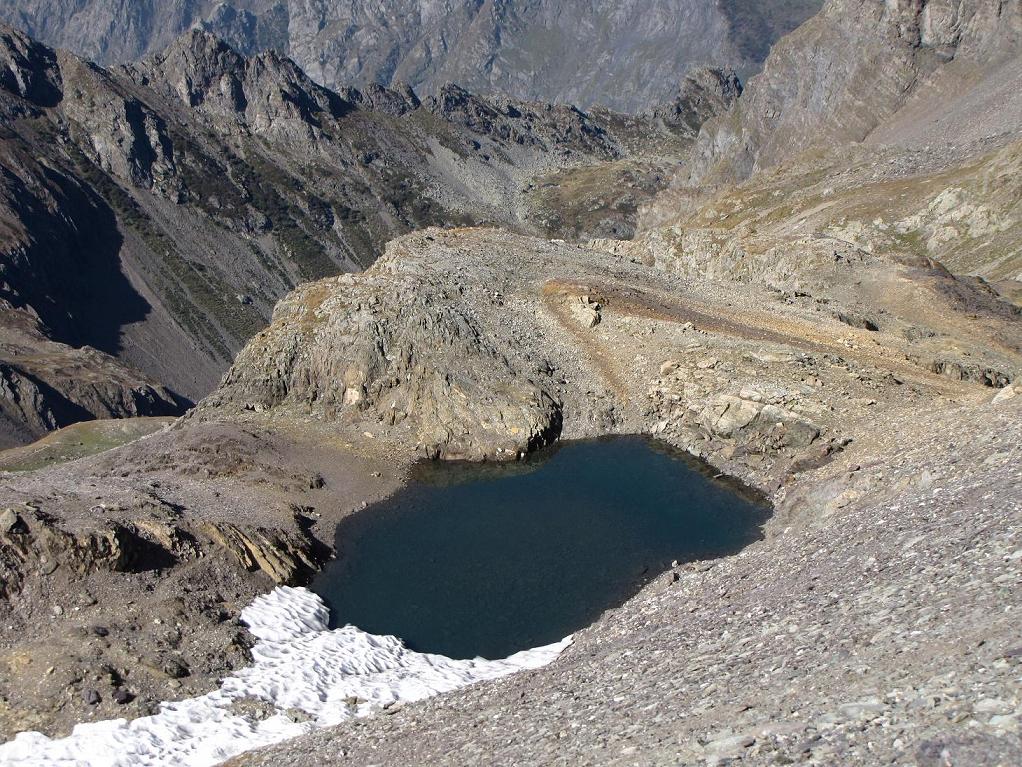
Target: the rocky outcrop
pixel 34 543
pixel 285 557
pixel 266 94
pixel 118 133
pixel 550 126
pixel 703 94
pixel 29 69
pixel 443 348
pixel 396 346
pixel 626 55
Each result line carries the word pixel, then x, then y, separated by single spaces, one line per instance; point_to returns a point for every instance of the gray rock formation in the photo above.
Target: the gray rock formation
pixel 626 55
pixel 391 347
pixel 703 94
pixel 855 66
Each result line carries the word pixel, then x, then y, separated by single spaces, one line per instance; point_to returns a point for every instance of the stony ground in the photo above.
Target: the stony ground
pixel 124 573
pixel 129 568
pixel 876 623
pixel 885 630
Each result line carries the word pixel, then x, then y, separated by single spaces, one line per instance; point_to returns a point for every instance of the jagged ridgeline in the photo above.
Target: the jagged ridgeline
pixel 154 213
pixel 625 54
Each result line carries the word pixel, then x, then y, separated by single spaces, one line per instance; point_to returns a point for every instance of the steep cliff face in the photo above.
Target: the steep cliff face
pixel 626 55
pixel 849 71
pixel 890 125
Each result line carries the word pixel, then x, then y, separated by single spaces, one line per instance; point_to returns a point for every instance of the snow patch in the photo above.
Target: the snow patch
pixel 299 665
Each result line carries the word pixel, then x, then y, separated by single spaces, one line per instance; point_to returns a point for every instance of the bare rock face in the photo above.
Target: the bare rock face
pixel 546 125
pixel 625 55
pixel 29 69
pixel 119 133
pixel 849 69
pixel 703 94
pixel 397 347
pixel 266 94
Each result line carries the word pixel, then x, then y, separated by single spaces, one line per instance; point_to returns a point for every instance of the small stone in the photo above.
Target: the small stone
pixel 1005 394
pixel 175 668
pixel 9 521
pixel 669 367
pixel 58 610
pixel 100 631
pixel 587 314
pixel 1006 722
pixel 91 697
pixel 992 706
pixel 122 697
pixel 732 745
pixel 864 709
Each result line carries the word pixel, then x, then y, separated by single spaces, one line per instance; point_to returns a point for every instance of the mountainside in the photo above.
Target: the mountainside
pixel 908 70
pixel 908 139
pixel 157 212
pixel 626 55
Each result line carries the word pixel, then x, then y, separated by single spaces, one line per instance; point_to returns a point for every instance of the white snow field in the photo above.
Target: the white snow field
pixel 298 664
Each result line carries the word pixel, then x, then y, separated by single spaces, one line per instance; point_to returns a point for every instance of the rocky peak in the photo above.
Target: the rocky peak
pixel 266 92
pixel 521 122
pixel 28 69
pixel 200 66
pixel 396 101
pixel 704 93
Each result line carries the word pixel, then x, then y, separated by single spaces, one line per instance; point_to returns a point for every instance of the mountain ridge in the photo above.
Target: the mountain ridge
pixel 628 56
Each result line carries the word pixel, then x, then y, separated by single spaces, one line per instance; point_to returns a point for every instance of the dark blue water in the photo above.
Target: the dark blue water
pixel 473 560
